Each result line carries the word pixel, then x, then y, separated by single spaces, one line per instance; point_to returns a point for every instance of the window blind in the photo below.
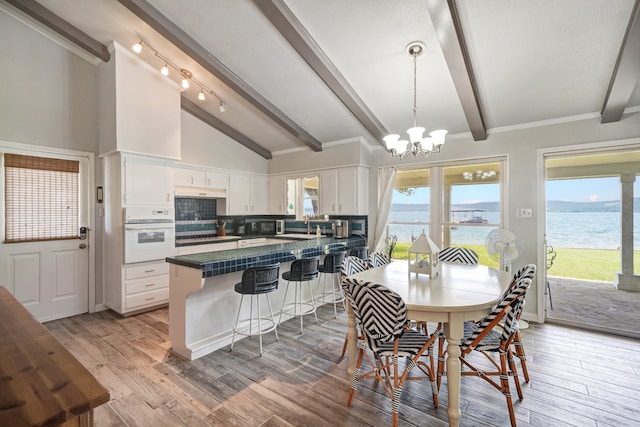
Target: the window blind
pixel 41 198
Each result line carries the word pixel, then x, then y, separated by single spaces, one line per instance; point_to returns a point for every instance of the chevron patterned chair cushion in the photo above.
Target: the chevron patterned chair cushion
pixel 455 255
pixel 381 316
pixel 378 259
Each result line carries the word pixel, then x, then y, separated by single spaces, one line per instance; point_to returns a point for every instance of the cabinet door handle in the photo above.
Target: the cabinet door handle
pixel 149 271
pixel 150 299
pixel 148 285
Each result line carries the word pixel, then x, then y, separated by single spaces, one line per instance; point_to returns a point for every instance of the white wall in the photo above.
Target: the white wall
pixel 205 146
pixel 47 94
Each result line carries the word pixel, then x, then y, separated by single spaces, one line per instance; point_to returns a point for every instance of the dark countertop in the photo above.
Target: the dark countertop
pixel 229 261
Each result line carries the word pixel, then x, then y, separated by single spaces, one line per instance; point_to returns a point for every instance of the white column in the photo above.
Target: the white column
pixel 626 280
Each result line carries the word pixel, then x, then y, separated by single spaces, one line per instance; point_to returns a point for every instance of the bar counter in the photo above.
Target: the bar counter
pixel 202 302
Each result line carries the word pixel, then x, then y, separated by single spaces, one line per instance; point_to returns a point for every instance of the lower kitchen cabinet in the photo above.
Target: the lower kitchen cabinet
pixel 142 286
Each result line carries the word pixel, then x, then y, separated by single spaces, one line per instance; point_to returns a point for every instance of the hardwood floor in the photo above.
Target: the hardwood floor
pixel 578 378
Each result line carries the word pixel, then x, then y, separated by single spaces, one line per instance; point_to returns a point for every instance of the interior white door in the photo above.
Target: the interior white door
pixel 51 278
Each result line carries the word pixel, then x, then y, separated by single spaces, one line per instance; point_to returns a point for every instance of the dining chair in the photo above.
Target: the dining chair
pixel 385 330
pixel 492 335
pixel 378 259
pixel 350 266
pixel 458 255
pixel 525 272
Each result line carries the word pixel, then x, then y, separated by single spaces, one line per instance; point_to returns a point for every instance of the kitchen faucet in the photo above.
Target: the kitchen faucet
pixel 306 221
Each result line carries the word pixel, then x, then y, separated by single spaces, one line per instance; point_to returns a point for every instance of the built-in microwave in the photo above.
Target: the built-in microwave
pixel 267 228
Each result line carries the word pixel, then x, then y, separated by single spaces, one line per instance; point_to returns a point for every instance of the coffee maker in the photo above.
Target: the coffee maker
pixel 342 229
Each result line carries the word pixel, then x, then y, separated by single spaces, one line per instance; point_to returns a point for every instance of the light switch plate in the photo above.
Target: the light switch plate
pixel 524 213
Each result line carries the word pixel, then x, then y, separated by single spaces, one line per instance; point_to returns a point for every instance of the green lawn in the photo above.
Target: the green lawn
pixel 588 264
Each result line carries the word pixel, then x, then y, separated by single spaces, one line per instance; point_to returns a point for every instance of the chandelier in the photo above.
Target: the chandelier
pixel 416 143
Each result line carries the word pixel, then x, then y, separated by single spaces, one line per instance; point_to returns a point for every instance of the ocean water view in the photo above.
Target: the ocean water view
pixel 581 230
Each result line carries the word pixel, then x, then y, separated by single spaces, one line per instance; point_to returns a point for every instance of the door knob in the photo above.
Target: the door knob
pixel 82 246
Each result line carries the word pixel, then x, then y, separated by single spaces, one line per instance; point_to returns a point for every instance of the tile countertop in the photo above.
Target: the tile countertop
pixel 229 261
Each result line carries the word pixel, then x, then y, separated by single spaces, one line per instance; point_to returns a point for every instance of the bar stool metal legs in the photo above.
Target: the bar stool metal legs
pixel 256 281
pixel 302 270
pixel 331 267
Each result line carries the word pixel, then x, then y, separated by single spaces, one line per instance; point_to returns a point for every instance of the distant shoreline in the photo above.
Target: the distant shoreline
pixel 552 206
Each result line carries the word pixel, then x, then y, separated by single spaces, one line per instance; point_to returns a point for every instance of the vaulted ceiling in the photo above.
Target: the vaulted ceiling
pixel 296 74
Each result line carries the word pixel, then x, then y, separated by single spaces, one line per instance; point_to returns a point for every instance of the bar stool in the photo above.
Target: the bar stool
pixel 256 281
pixel 302 270
pixel 331 266
pixel 361 252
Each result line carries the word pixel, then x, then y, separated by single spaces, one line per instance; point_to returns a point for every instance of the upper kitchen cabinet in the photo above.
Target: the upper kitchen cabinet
pixel 193 176
pixel 147 181
pixel 344 191
pixel 248 195
pixel 188 176
pixel 139 108
pixel 278 195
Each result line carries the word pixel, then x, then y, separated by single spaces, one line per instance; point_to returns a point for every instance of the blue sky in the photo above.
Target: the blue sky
pixel 575 190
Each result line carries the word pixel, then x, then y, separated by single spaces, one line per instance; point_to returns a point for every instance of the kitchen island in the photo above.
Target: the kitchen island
pixel 202 302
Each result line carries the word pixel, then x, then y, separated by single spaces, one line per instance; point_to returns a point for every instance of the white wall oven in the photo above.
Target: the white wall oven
pixel 149 234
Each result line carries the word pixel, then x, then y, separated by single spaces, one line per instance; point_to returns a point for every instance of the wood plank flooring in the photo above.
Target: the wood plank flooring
pixel 578 378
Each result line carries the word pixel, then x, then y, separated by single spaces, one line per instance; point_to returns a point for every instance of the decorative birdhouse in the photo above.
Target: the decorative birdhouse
pixel 423 256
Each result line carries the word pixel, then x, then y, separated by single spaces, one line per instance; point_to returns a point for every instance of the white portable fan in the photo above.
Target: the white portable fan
pixel 504 245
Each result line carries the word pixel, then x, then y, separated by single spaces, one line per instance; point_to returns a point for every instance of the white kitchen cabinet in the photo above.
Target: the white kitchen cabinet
pixel 277 195
pixel 248 194
pixel 259 194
pixel 217 180
pixel 189 177
pixel 147 182
pixel 344 191
pixel 193 176
pixel 141 286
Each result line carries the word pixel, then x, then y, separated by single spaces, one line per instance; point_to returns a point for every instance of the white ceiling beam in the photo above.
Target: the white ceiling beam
pixel 446 21
pixel 174 34
pixel 224 128
pixel 626 71
pixel 283 19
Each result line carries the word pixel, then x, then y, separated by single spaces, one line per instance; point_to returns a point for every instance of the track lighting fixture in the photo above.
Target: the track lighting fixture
pixel 137 48
pixel 186 76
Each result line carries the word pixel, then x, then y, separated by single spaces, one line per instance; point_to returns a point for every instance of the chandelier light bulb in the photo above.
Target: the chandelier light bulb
pixel 137 48
pixel 201 95
pixel 222 107
pixel 185 83
pixel 165 70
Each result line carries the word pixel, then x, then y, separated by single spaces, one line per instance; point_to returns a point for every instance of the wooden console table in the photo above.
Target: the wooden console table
pixel 41 383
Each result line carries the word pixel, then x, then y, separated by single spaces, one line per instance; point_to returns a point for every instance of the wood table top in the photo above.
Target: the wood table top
pixel 41 383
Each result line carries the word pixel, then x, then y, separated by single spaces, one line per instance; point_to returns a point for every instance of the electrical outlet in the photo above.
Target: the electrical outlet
pixel 524 213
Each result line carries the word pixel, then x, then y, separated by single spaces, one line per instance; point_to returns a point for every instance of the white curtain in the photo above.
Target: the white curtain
pixel 386 184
